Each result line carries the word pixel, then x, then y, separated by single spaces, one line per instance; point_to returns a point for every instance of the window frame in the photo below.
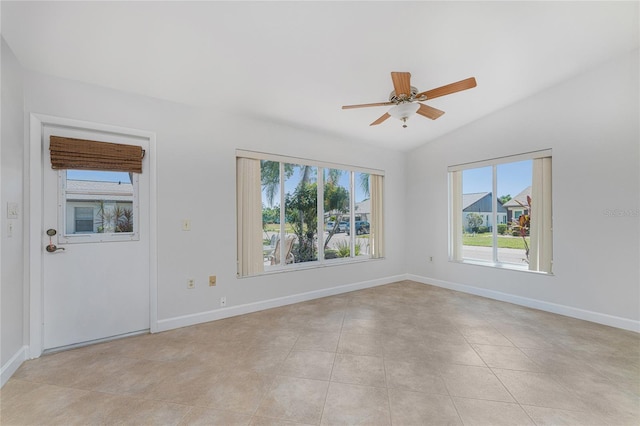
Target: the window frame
pixel 75 238
pixel 321 166
pixel 454 239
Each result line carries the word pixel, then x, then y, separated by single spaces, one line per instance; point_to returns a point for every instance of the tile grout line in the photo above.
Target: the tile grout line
pixel 326 396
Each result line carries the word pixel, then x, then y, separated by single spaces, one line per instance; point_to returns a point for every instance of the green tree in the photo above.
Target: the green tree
pixel 474 220
pixel 364 183
pixel 336 199
pixel 270 178
pixel 301 206
pixel 301 211
pixel 271 214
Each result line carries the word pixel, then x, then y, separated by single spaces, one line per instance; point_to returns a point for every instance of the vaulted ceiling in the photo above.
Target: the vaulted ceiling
pixel 298 62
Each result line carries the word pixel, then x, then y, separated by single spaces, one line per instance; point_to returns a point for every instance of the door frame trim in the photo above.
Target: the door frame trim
pixel 34 266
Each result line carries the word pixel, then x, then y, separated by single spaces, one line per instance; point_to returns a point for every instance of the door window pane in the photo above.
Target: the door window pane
pixel 98 202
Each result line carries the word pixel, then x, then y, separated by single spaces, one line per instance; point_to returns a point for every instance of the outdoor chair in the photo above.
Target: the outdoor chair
pixel 274 257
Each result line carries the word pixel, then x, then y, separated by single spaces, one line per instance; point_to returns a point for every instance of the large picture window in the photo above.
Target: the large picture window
pixel 500 212
pixel 295 213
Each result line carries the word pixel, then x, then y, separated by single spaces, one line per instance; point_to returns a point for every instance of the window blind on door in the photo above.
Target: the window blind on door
pixel 81 154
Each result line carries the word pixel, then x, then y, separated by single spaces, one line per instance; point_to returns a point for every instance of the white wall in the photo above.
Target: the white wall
pixel 196 181
pixel 12 276
pixel 591 123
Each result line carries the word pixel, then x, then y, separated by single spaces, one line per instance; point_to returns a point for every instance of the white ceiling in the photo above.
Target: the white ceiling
pixel 298 62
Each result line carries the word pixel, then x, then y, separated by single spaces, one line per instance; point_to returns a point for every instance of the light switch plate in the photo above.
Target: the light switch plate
pixel 13 210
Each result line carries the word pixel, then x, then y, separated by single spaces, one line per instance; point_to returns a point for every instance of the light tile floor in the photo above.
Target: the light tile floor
pixel 401 354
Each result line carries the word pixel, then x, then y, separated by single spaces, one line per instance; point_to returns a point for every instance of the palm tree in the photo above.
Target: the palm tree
pixel 270 177
pixel 364 183
pixel 300 207
pixel 336 199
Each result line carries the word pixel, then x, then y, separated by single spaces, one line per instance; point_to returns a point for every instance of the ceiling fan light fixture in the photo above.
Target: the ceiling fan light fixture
pixel 406 103
pixel 404 111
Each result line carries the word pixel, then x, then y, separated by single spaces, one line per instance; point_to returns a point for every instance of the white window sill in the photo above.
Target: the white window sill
pixel 508 266
pixel 329 263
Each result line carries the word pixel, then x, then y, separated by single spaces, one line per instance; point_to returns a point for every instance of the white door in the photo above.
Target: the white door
pixel 96 282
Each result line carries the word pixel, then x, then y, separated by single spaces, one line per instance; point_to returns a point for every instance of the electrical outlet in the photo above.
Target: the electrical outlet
pixel 212 280
pixel 186 225
pixel 191 283
pixel 223 301
pixel 430 258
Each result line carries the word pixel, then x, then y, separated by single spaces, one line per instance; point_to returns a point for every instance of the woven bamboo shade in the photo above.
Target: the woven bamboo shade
pixel 69 153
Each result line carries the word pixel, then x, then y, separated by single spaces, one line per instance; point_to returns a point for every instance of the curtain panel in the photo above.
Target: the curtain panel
pixel 377 216
pixel 249 221
pixel 456 215
pixel 541 229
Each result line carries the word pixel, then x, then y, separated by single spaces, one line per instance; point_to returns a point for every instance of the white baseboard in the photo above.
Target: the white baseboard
pixel 569 311
pixel 12 365
pixel 232 311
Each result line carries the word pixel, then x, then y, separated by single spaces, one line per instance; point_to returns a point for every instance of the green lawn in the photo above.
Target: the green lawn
pixel 274 227
pixel 484 240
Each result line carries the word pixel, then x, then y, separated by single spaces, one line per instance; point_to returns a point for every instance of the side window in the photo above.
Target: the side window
pixel 501 212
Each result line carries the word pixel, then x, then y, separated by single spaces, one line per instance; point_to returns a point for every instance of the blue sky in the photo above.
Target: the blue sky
pixel 512 178
pixel 98 176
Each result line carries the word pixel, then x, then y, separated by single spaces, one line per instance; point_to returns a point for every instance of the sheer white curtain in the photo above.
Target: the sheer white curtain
pixel 249 211
pixel 541 247
pixel 377 216
pixel 456 214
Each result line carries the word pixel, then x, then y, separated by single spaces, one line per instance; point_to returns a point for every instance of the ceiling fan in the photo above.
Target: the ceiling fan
pixel 405 99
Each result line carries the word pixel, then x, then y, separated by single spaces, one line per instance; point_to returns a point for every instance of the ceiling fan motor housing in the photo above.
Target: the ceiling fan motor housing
pixel 402 97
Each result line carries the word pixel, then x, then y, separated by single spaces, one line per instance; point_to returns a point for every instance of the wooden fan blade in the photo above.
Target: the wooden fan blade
pixel 381 119
pixel 429 112
pixel 449 88
pixel 401 83
pixel 367 105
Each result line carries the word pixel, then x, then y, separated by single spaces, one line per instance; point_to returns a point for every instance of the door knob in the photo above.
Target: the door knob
pixel 52 248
